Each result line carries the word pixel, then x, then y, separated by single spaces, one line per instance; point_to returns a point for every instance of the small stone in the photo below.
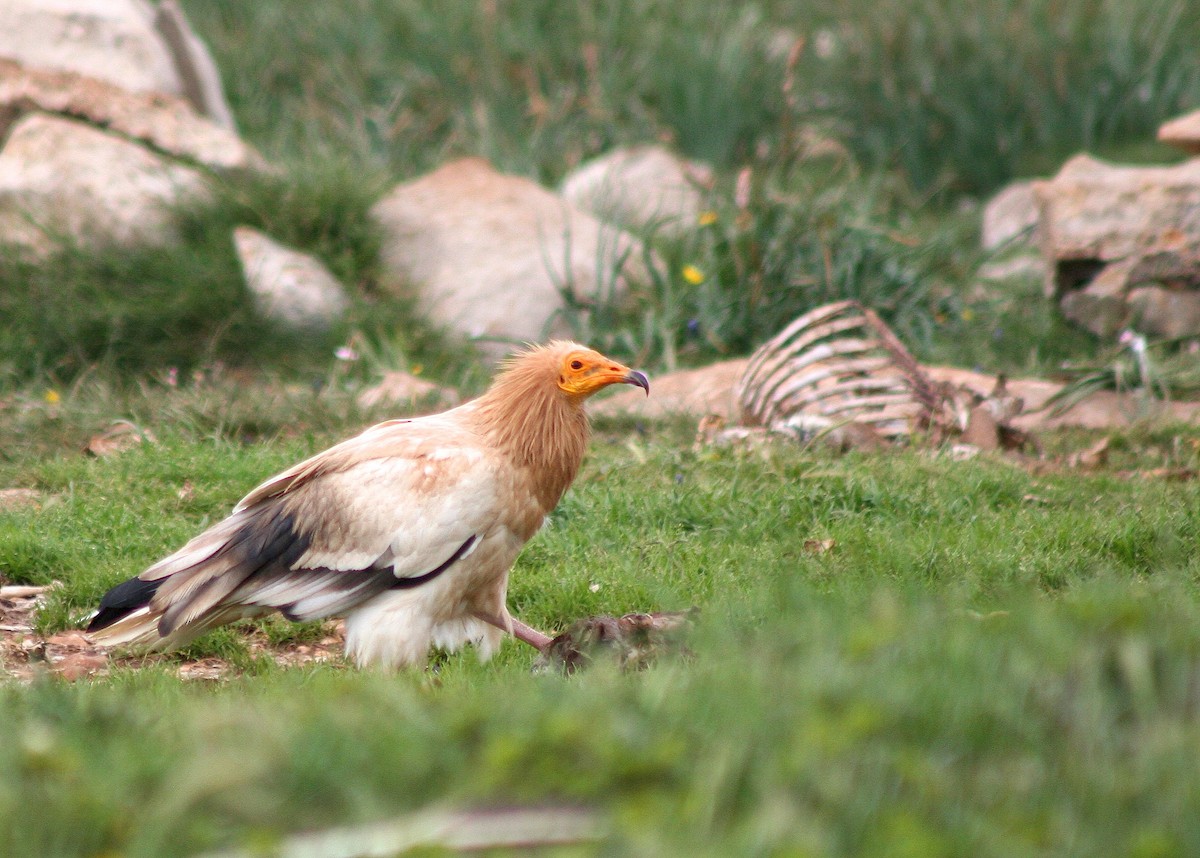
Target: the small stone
pixel 403 388
pixel 288 286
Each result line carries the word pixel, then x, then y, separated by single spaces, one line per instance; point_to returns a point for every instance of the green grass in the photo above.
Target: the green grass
pixel 987 662
pixel 956 93
pixel 971 94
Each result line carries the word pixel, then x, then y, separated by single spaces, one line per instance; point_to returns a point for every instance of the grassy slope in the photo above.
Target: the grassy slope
pixel 988 662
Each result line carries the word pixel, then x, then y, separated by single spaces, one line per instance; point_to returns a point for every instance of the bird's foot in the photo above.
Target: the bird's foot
pixel 517 629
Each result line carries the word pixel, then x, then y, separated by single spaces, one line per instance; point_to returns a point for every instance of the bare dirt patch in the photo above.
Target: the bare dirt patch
pixel 26 655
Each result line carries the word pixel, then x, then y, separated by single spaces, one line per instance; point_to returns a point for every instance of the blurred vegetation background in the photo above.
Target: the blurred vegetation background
pixel 930 105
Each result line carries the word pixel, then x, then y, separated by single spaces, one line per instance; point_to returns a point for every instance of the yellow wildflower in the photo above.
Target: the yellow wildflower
pixel 52 397
pixel 692 275
pixel 707 218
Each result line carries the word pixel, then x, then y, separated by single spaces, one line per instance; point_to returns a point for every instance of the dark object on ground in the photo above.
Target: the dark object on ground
pixel 634 641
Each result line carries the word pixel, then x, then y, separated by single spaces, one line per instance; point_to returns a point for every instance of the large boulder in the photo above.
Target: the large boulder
pixel 289 287
pixel 491 256
pixel 164 123
pixel 647 188
pixel 85 160
pixel 199 77
pixel 1107 230
pixel 62 178
pixel 113 40
pixel 1183 132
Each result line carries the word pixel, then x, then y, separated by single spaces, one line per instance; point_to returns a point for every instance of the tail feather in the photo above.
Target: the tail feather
pixel 137 628
pixel 141 628
pixel 122 600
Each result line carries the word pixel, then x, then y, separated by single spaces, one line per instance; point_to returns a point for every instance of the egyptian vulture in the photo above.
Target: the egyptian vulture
pixel 409 530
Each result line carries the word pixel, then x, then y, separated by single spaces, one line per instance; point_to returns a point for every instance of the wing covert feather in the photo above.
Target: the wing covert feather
pixel 404 494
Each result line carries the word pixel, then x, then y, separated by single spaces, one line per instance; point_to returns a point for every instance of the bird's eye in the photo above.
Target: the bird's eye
pixel 576 364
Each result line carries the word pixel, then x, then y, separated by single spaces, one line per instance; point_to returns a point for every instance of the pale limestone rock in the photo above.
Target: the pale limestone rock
pixel 405 389
pixel 199 78
pixel 61 178
pixel 490 255
pixel 1183 132
pixel 1107 230
pixel 1023 266
pixel 708 391
pixel 641 188
pixel 1168 313
pixel 164 122
pixel 1010 216
pixel 1096 212
pixel 113 40
pixel 694 392
pixel 288 286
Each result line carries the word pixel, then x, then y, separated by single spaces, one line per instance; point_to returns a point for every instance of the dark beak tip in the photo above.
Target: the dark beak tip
pixel 639 378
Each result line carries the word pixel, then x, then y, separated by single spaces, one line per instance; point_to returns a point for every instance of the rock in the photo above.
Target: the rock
pixel 113 40
pixel 78 665
pixel 1100 306
pixel 709 391
pixel 643 188
pixel 199 78
pixel 1169 313
pixel 490 255
pixel 1010 217
pixel 1107 231
pixel 403 388
pixel 1024 266
pixel 1093 213
pixel 289 287
pixel 1009 228
pixel 12 499
pixel 695 392
pixel 1183 132
pixel 163 122
pixel 60 178
pixel 120 437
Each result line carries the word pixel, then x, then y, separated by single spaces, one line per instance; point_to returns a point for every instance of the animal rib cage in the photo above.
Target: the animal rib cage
pixel 837 363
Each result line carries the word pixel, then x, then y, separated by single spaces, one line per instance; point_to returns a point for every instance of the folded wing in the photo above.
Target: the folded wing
pixel 395 507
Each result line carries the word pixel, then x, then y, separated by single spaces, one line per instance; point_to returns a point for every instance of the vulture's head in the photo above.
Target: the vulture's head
pixel 582 371
pixel 562 370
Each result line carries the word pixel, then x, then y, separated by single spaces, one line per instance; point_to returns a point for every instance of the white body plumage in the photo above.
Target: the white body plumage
pixel 409 530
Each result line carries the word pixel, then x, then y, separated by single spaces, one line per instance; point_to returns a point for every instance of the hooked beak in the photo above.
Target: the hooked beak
pixel 638 379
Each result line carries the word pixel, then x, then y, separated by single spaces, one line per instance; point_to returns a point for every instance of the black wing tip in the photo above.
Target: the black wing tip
pixel 122 600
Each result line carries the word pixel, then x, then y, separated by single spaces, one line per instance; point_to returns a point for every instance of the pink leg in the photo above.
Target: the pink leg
pixel 517 629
